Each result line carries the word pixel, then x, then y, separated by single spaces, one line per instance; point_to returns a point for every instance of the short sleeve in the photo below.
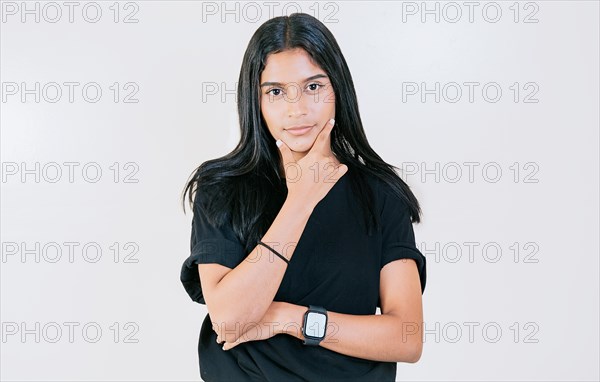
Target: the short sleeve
pixel 208 244
pixel 398 237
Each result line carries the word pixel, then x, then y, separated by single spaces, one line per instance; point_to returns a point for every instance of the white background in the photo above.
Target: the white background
pixel 544 202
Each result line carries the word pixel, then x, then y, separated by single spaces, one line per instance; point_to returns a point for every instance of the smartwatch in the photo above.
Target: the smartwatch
pixel 314 325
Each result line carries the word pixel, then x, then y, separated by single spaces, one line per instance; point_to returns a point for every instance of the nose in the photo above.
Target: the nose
pixel 296 104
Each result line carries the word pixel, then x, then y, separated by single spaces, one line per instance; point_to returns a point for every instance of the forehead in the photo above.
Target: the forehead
pixel 289 66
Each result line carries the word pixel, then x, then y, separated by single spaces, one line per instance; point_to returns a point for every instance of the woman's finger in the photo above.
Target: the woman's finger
pixel 230 345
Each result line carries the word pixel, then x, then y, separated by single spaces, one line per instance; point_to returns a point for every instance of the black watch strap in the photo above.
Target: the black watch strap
pixel 311 341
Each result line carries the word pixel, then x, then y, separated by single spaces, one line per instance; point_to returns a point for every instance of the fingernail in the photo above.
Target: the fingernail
pixel 278 143
pixel 332 121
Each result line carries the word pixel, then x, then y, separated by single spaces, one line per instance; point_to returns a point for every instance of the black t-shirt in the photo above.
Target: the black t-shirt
pixel 335 265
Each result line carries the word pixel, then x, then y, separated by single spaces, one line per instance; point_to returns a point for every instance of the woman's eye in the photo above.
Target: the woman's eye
pixel 274 90
pixel 315 86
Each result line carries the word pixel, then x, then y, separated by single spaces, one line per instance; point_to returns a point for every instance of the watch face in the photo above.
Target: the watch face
pixel 315 324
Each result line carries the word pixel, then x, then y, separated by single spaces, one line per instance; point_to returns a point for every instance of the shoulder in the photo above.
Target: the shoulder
pixel 214 189
pixel 386 196
pixel 213 198
pixel 203 194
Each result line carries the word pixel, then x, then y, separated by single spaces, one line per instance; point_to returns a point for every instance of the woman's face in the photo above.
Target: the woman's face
pixel 294 93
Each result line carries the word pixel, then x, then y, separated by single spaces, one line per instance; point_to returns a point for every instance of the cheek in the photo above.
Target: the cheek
pixel 266 110
pixel 325 105
pixel 271 107
pixel 271 115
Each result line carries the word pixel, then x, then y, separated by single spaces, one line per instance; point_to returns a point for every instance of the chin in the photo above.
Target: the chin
pixel 301 149
pixel 303 145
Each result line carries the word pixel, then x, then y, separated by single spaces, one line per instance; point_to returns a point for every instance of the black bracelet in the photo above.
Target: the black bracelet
pixel 274 251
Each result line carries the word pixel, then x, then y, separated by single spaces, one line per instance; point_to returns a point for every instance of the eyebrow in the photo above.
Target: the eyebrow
pixel 306 80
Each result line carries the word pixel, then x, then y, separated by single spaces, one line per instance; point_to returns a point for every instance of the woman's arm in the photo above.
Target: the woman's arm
pixel 394 336
pixel 226 290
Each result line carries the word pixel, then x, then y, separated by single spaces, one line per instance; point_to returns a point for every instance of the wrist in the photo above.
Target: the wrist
pixel 294 315
pixel 298 206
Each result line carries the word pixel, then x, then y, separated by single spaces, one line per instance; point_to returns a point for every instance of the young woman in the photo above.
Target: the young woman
pixel 302 231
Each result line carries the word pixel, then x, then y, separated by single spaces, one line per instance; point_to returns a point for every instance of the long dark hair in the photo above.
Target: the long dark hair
pixel 244 188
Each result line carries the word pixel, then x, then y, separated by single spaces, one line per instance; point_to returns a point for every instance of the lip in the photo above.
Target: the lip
pixel 299 130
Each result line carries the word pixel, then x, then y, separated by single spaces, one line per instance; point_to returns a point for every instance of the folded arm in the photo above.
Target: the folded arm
pixel 395 335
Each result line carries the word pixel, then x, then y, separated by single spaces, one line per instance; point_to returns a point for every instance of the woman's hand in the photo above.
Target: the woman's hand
pixel 270 325
pixel 311 178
